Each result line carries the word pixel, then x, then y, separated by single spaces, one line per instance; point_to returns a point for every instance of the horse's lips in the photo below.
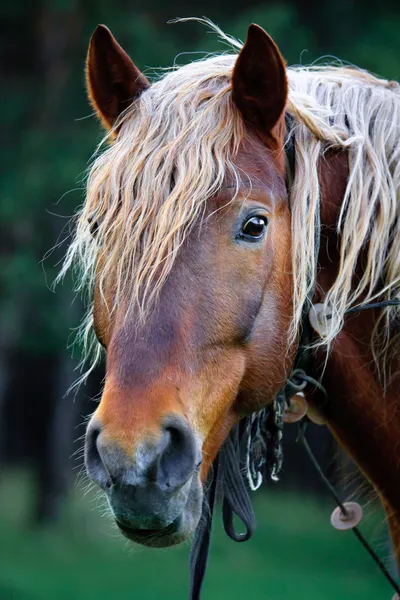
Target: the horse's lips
pixel 178 530
pixel 142 535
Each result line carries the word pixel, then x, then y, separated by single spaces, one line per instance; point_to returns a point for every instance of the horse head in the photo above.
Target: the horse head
pixel 190 243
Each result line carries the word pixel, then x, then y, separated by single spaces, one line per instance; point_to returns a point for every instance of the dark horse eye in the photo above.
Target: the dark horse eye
pixel 255 227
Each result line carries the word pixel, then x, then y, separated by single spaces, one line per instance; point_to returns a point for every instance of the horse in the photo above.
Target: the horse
pixel 235 197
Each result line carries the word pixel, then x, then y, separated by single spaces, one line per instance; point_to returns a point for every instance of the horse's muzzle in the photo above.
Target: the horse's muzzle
pixel 155 495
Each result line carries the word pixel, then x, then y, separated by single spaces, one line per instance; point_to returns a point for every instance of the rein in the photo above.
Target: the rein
pixel 253 449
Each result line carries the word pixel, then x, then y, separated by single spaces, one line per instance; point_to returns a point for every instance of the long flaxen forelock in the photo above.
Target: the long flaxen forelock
pixel 176 145
pixel 145 191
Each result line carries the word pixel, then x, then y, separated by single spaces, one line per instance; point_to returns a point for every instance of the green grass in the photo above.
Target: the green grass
pixel 295 553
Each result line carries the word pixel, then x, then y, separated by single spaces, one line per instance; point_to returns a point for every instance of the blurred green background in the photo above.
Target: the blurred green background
pixel 54 541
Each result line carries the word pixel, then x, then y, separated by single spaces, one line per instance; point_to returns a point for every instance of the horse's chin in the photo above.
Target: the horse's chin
pixel 176 532
pixel 157 538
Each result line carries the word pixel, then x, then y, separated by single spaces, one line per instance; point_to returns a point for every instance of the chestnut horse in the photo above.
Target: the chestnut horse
pixel 202 245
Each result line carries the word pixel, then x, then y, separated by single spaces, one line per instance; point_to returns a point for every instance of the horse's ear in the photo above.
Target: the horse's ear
pixel 113 81
pixel 259 81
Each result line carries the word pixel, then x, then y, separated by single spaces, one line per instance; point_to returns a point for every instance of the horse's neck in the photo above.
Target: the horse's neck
pixel 366 420
pixel 364 417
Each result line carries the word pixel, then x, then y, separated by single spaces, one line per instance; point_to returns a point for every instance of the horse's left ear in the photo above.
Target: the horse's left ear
pixel 113 81
pixel 259 81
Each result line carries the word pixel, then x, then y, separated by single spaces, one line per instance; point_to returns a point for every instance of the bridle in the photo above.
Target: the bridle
pixel 253 451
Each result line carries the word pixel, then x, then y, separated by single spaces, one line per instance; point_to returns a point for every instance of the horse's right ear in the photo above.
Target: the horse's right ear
pixel 259 81
pixel 113 81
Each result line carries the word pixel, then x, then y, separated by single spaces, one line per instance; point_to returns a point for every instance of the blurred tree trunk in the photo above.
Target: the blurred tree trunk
pixel 57 34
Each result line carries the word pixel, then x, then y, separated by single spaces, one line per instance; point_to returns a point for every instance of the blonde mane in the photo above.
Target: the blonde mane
pixel 177 143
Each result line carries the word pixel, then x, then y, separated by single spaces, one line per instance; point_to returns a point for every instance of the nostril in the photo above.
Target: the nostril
pixel 177 439
pixel 178 457
pixel 93 461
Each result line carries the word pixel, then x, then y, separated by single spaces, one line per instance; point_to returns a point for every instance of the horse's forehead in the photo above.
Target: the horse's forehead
pixel 261 163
